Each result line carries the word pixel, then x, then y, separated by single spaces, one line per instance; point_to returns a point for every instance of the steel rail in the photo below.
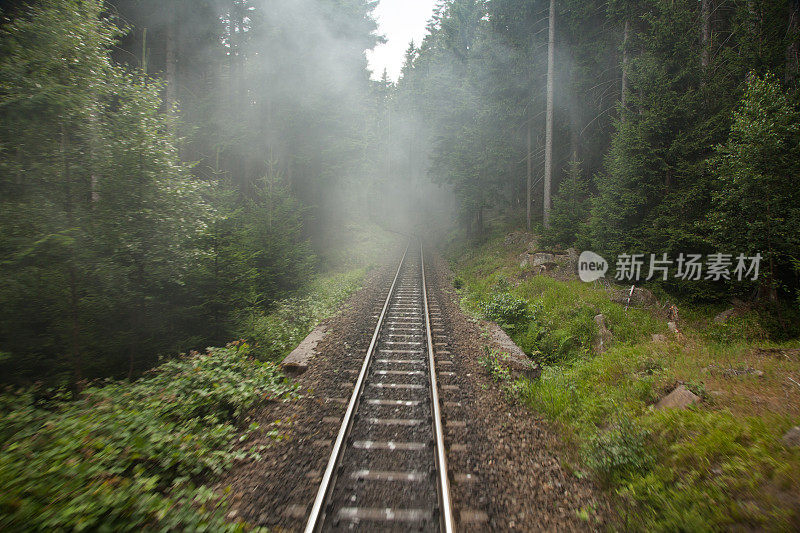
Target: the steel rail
pixel 317 516
pixel 445 508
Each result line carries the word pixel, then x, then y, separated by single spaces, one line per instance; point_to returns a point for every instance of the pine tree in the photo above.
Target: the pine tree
pixel 755 206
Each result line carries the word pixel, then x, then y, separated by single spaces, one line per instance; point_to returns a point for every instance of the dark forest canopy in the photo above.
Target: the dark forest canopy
pixel 167 169
pixel 659 137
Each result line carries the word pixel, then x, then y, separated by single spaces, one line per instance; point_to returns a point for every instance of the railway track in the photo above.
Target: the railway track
pixel 388 469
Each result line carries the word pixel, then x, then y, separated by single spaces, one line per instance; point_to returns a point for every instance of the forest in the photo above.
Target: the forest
pixel 182 174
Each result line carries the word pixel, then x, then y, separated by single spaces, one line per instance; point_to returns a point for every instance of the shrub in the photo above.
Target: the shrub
pixel 491 362
pixel 619 450
pixel 125 456
pixel 505 309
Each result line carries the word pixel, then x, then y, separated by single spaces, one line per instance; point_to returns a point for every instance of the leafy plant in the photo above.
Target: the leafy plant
pixel 276 333
pixel 128 457
pixel 618 451
pixel 505 309
pixel 491 362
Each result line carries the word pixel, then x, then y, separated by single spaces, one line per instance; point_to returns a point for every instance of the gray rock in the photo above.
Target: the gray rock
pixel 658 337
pixel 640 298
pixel 573 255
pixel 679 398
pixel 541 258
pixel 724 316
pixel 514 358
pixel 538 260
pixel 604 337
pixel 520 239
pixel 792 437
pixel 297 362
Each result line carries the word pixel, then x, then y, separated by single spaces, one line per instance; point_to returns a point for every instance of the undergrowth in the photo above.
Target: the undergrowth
pixel 130 456
pixel 720 465
pixel 349 254
pixel 278 332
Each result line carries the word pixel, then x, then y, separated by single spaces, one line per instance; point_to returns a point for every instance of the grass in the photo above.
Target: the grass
pixel 717 466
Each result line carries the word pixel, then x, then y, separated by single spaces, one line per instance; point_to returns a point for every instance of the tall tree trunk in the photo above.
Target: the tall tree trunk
pixel 548 151
pixel 94 139
pixel 171 59
pixel 528 175
pixel 623 93
pixel 232 62
pixel 144 50
pixel 793 49
pixel 705 34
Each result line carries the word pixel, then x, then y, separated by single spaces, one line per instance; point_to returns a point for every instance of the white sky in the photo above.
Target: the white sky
pixel 399 21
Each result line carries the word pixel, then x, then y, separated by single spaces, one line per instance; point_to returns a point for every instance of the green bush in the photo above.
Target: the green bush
pixel 124 456
pixel 552 340
pixel 505 309
pixel 618 451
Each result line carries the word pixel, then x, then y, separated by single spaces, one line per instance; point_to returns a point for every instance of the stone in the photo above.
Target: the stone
pixel 659 337
pixel 514 359
pixel 518 239
pixel 792 437
pixel 542 258
pixel 604 337
pixel 297 362
pixel 679 398
pixel 724 316
pixel 572 262
pixel 640 297
pixel 537 259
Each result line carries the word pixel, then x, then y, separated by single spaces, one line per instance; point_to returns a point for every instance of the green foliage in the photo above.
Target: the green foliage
pixel 128 456
pixel 618 451
pixel 755 203
pixel 705 468
pixel 100 218
pixel 505 309
pixel 113 251
pixel 491 361
pixel 570 209
pixel 551 340
pixel 274 334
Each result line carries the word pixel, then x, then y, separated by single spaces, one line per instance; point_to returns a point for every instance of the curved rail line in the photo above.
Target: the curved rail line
pixel 401 484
